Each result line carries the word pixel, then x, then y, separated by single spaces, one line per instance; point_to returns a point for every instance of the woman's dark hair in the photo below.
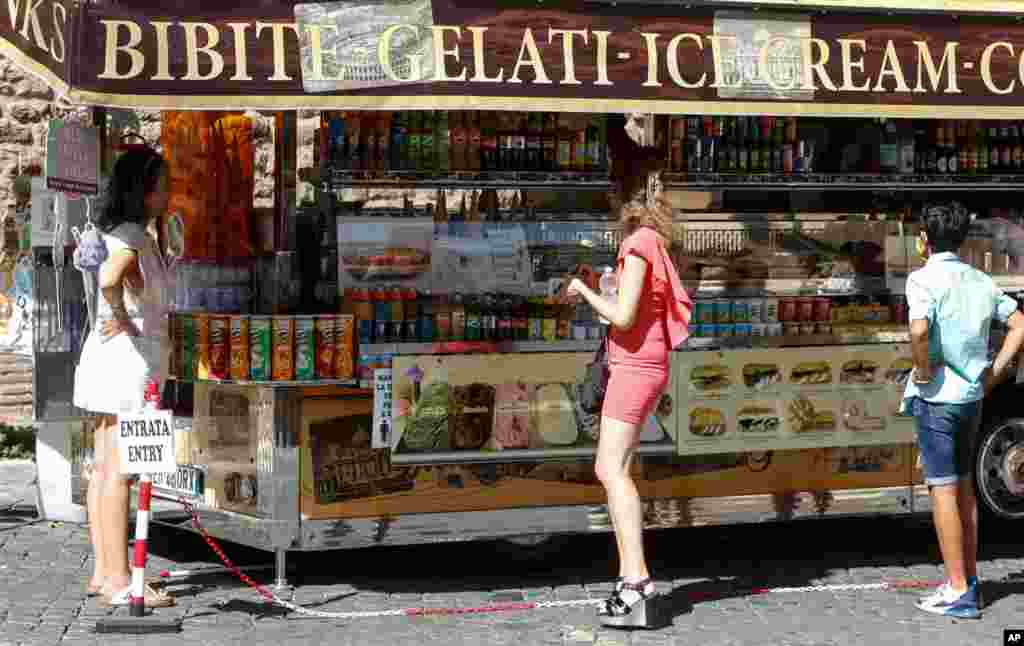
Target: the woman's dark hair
pixel 947 226
pixel 136 174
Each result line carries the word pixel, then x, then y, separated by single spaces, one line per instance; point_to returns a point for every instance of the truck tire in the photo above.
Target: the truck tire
pixel 999 472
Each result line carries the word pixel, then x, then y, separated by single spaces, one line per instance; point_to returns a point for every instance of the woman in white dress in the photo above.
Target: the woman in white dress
pixel 126 348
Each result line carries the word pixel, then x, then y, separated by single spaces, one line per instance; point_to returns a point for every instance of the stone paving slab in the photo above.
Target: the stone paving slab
pixel 44 567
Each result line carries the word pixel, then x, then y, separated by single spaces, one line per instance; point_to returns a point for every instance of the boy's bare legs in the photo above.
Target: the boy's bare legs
pixel 950 530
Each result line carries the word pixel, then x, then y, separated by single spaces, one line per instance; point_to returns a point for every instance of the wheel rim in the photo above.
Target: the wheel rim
pixel 1001 470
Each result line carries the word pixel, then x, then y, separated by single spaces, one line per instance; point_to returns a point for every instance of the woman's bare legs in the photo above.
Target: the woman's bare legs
pixel 614 457
pixel 92 505
pixel 113 508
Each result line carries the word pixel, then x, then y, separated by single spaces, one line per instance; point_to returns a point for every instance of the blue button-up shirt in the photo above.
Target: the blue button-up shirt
pixel 959 303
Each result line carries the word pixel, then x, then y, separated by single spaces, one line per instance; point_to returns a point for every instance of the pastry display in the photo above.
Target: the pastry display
pixel 710 377
pixel 387 263
pixel 761 375
pixel 707 422
pixel 811 372
pixel 511 416
pixel 899 372
pixel 856 418
pixel 858 371
pixel 554 415
pixel 470 415
pixel 427 427
pixel 758 419
pixel 804 418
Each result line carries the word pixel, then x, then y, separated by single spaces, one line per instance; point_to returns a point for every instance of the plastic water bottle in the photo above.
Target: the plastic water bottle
pixel 609 285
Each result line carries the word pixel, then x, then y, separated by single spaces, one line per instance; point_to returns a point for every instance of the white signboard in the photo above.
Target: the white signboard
pixel 382 433
pixel 145 441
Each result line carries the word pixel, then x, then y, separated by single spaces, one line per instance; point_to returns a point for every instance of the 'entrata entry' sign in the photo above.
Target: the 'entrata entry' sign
pixel 146 442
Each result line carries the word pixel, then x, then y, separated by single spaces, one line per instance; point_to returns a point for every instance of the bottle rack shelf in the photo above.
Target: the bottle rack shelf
pixel 504 180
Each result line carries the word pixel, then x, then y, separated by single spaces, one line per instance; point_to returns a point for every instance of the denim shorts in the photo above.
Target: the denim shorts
pixel 946 437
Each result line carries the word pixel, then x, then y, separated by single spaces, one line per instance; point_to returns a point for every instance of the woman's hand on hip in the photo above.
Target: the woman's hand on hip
pixel 113 327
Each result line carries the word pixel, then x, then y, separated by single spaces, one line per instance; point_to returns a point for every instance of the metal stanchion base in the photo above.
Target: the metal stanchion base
pixel 148 625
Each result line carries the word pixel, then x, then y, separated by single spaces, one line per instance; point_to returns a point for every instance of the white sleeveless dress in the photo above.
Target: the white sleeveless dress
pixel 111 375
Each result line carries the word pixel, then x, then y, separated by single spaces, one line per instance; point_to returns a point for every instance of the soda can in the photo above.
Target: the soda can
pixel 791 329
pixel 344 348
pixel 705 312
pixel 774 329
pixel 186 347
pixel 807 329
pixel 305 348
pixel 218 354
pixel 741 310
pixel 723 310
pixel 743 329
pixel 707 330
pixel 756 310
pixel 770 311
pixel 822 310
pixel 239 348
pixel 694 330
pixel 758 329
pixel 725 329
pixel 366 328
pixel 202 347
pixel 823 328
pixel 282 362
pixel 804 309
pixel 326 328
pixel 787 310
pixel 260 345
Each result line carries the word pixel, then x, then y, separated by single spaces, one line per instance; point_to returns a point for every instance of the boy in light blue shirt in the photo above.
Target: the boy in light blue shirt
pixel 951 306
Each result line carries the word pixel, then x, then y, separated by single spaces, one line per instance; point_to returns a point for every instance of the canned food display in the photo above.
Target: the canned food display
pixel 305 348
pixel 326 328
pixel 344 348
pixel 804 309
pixel 723 310
pixel 260 345
pixel 239 344
pixel 741 310
pixel 282 352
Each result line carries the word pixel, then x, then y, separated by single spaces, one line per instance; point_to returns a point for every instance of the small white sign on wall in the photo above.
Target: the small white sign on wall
pixel 145 442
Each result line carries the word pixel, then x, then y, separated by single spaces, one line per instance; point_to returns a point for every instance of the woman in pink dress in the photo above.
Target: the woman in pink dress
pixel 647 321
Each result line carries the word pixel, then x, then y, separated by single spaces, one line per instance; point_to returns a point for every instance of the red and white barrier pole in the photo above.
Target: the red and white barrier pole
pixel 137 600
pixel 138 596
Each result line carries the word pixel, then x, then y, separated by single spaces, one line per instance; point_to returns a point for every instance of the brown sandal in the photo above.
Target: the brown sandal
pixel 154 598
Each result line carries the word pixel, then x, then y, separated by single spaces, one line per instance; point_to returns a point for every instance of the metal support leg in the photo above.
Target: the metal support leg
pixel 281 572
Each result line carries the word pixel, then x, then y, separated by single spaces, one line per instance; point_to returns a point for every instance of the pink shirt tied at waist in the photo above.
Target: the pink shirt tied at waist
pixel 663 315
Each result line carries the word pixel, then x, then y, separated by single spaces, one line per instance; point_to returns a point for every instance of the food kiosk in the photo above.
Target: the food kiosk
pixel 403 370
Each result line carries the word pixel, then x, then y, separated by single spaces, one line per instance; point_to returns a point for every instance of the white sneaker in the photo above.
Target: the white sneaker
pixel 936 595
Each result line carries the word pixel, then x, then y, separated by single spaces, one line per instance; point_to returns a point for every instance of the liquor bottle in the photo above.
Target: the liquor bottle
pixel 460 317
pixel 399 144
pixel 743 156
pixel 428 143
pixel 695 155
pixel 473 140
pixel 579 146
pixel 489 159
pixel 506 141
pixel 994 144
pixel 425 317
pixel 411 158
pixel 353 124
pixel 708 163
pixel 521 319
pixel 791 130
pixel 788 166
pixel 1018 147
pixel 368 141
pixel 535 321
pixel 597 143
pixel 907 150
pixel 565 143
pixel 1006 150
pixel 888 150
pixel 458 145
pixel 503 310
pixel 534 150
pixel 442 142
pixel 755 157
pixel 549 141
pixel 592 143
pixel 983 149
pixel 776 151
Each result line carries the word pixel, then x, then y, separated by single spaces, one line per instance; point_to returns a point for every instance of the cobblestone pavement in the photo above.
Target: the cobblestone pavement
pixel 707 571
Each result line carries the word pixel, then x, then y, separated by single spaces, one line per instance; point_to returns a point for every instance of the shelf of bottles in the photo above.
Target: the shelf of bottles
pixel 433 149
pixel 471 149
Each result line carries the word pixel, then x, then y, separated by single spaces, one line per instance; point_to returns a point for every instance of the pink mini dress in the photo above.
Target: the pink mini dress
pixel 638 357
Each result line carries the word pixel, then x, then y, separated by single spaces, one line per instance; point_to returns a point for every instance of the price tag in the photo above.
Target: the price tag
pixel 145 442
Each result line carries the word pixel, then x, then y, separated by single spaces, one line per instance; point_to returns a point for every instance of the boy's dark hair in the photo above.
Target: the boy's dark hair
pixel 135 175
pixel 947 226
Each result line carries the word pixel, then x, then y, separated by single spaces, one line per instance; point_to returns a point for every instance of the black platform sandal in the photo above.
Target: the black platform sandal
pixel 642 613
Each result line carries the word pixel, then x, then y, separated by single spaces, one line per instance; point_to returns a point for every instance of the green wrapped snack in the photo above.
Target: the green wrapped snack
pixel 427 428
